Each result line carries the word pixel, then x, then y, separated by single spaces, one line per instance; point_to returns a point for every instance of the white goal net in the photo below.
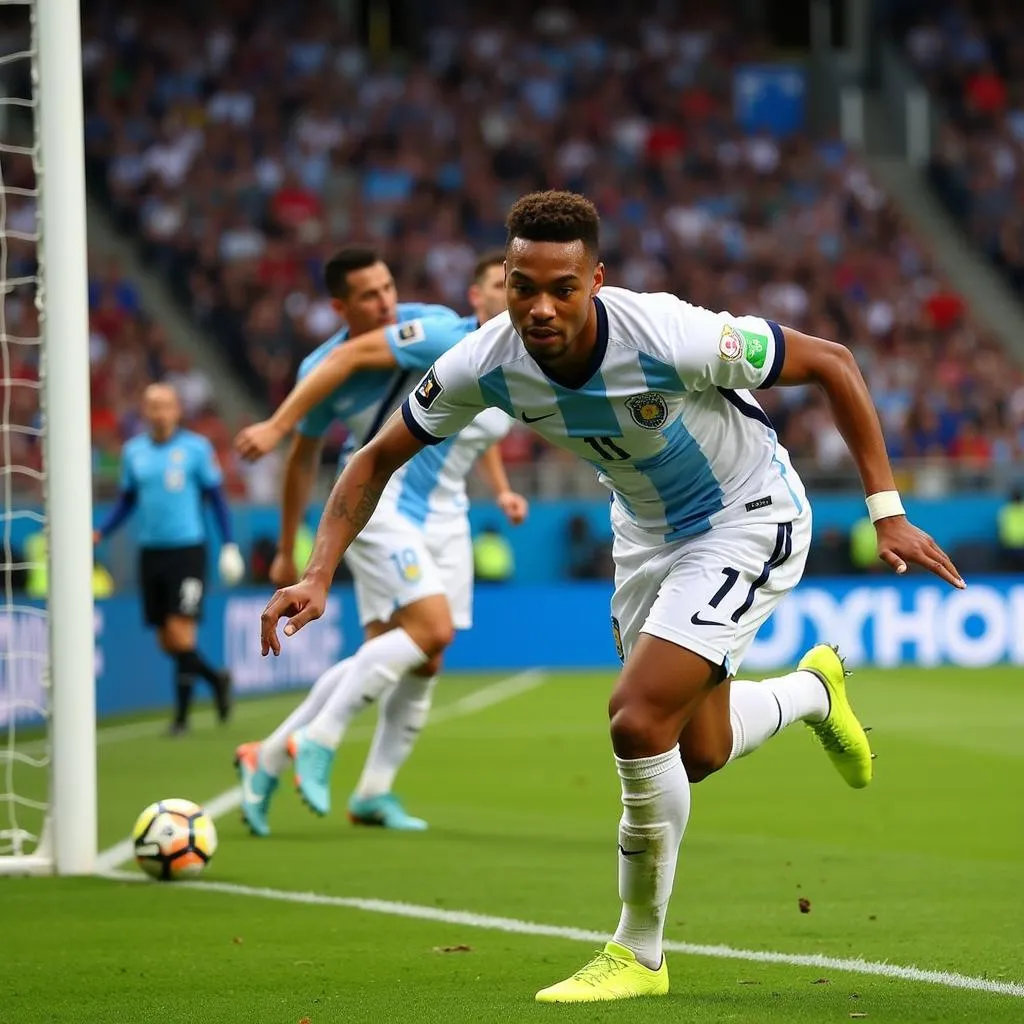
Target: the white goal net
pixel 47 731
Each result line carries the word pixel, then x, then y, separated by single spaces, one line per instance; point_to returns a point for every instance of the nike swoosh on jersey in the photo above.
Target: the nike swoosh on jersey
pixel 698 621
pixel 630 853
pixel 534 419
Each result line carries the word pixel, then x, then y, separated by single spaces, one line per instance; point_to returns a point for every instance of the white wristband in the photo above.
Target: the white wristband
pixel 884 504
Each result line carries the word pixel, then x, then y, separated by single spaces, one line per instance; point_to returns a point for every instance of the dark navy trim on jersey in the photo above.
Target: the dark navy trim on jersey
pixel 778 558
pixel 753 412
pixel 415 429
pixel 119 513
pixel 780 355
pixel 398 385
pixel 221 512
pixel 596 356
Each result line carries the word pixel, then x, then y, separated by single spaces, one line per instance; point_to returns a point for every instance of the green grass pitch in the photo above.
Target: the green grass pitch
pixel 923 868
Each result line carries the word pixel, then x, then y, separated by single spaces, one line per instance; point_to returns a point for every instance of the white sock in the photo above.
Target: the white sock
pixel 376 666
pixel 655 808
pixel 403 713
pixel 758 711
pixel 274 749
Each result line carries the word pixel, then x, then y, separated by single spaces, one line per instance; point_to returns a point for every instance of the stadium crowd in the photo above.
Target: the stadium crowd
pixel 971 56
pixel 242 142
pixel 127 350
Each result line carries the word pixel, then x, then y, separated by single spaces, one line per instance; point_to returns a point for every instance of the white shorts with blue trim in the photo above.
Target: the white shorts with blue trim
pixel 710 593
pixel 394 564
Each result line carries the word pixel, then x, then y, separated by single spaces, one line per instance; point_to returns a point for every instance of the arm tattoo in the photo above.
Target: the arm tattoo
pixel 359 514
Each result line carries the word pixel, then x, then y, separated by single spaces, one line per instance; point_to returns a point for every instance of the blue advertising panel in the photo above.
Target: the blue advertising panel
pixel 885 622
pixel 770 97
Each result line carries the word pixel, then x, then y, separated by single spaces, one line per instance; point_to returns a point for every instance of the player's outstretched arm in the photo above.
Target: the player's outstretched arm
pixel 811 360
pixel 491 468
pixel 367 352
pixel 298 481
pixel 351 503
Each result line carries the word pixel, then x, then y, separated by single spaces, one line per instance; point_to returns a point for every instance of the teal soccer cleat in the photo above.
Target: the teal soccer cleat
pixel 385 811
pixel 313 763
pixel 258 787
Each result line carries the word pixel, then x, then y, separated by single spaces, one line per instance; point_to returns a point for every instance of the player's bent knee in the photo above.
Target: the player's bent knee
pixel 429 624
pixel 703 761
pixel 432 637
pixel 177 635
pixel 637 731
pixel 431 668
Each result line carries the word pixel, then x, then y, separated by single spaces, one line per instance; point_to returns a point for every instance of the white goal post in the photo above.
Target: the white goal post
pixel 67 841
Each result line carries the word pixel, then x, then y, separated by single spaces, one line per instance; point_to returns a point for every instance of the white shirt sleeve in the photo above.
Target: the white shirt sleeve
pixel 719 350
pixel 447 399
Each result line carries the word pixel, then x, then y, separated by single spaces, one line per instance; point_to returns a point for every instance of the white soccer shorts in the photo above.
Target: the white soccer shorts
pixel 394 563
pixel 710 593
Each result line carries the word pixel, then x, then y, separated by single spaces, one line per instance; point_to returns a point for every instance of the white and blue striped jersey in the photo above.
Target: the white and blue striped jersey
pixel 430 489
pixel 666 415
pixel 368 397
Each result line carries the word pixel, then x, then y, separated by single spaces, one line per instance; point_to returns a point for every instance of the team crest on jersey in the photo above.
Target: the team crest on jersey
pixel 410 332
pixel 730 344
pixel 428 390
pixel 177 455
pixel 649 410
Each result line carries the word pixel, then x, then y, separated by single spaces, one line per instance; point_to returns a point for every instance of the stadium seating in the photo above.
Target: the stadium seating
pixel 241 153
pixel 127 351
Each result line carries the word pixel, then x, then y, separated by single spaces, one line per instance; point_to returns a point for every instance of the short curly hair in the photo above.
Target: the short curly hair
pixel 555 217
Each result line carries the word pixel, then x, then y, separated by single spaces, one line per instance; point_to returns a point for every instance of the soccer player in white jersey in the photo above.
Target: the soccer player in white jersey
pixel 412 566
pixel 711 528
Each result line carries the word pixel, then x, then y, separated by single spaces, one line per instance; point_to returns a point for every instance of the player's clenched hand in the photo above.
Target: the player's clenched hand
pixel 300 604
pixel 900 543
pixel 257 440
pixel 514 506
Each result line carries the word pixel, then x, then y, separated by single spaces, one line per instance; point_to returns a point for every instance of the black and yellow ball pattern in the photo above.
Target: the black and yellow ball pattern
pixel 174 839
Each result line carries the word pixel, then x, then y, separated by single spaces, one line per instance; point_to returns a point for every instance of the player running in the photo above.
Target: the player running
pixel 711 528
pixel 168 473
pixel 412 566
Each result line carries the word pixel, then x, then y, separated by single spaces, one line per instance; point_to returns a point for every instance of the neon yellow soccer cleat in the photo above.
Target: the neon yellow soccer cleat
pixel 614 973
pixel 841 733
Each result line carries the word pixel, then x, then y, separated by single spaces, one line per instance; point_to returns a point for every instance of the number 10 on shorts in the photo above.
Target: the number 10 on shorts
pixel 407 565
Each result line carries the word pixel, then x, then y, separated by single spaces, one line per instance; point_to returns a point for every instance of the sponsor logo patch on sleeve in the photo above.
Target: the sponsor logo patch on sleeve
pixel 755 348
pixel 410 332
pixel 428 389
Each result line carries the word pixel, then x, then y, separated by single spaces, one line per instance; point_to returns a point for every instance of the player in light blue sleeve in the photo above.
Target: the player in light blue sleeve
pixel 711 525
pixel 412 568
pixel 167 475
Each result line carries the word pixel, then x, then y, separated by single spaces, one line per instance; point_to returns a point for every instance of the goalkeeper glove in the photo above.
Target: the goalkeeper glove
pixel 232 565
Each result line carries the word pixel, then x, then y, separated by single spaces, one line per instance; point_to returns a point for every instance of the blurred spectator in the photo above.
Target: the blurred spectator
pixel 1011 532
pixel 589 558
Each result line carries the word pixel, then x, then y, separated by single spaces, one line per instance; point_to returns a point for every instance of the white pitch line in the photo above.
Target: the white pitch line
pixel 947 979
pixel 226 802
pixel 485 697
pixel 128 731
pixel 477 700
pixel 216 807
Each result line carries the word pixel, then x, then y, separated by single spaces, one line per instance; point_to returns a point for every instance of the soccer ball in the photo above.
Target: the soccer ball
pixel 174 839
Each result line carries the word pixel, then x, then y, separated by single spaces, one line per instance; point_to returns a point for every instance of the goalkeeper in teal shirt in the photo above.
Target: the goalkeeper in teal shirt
pixel 167 475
